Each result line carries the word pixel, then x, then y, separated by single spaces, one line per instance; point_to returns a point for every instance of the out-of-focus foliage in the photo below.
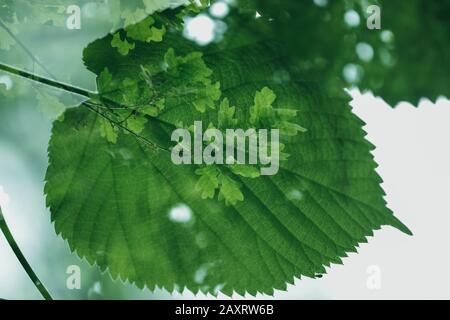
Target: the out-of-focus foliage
pixel 407 59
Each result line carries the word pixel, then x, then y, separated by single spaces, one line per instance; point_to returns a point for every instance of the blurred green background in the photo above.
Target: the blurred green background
pixel 25 125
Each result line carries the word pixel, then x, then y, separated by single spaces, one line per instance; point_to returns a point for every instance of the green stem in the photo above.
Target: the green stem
pixel 47 82
pixel 78 91
pixel 23 261
pixel 59 85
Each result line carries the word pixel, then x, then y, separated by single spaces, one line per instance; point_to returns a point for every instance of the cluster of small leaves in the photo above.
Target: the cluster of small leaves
pixel 139 25
pixel 146 31
pixel 262 115
pixel 133 101
pixel 200 92
pixel 130 101
pixel 188 79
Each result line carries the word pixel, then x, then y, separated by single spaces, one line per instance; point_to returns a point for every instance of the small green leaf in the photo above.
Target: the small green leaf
pixel 146 31
pixel 136 123
pixel 154 110
pixel 246 171
pixel 207 97
pixel 50 106
pixel 262 109
pixel 108 131
pixel 123 46
pixel 229 190
pixel 226 116
pixel 208 182
pixel 289 128
pixel 105 81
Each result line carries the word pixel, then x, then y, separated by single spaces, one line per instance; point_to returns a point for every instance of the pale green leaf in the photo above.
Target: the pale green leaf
pixel 123 46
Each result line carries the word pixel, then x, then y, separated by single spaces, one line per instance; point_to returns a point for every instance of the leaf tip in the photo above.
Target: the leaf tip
pixel 400 226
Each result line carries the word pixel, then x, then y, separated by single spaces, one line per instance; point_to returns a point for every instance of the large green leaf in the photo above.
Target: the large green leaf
pixel 126 207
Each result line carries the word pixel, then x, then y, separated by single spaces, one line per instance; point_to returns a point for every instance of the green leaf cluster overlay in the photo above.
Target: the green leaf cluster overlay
pixel 120 202
pixel 261 115
pixel 140 26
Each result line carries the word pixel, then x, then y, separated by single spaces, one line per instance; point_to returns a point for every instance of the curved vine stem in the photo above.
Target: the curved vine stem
pixel 23 261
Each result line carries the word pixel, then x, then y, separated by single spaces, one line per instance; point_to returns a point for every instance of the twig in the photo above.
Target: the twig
pixel 48 82
pixel 81 92
pixel 23 261
pixel 121 126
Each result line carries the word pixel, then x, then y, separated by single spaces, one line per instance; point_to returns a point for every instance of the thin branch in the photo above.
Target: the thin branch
pixel 23 261
pixel 48 82
pixel 53 83
pixel 121 126
pixel 84 93
pixel 109 104
pixel 28 52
